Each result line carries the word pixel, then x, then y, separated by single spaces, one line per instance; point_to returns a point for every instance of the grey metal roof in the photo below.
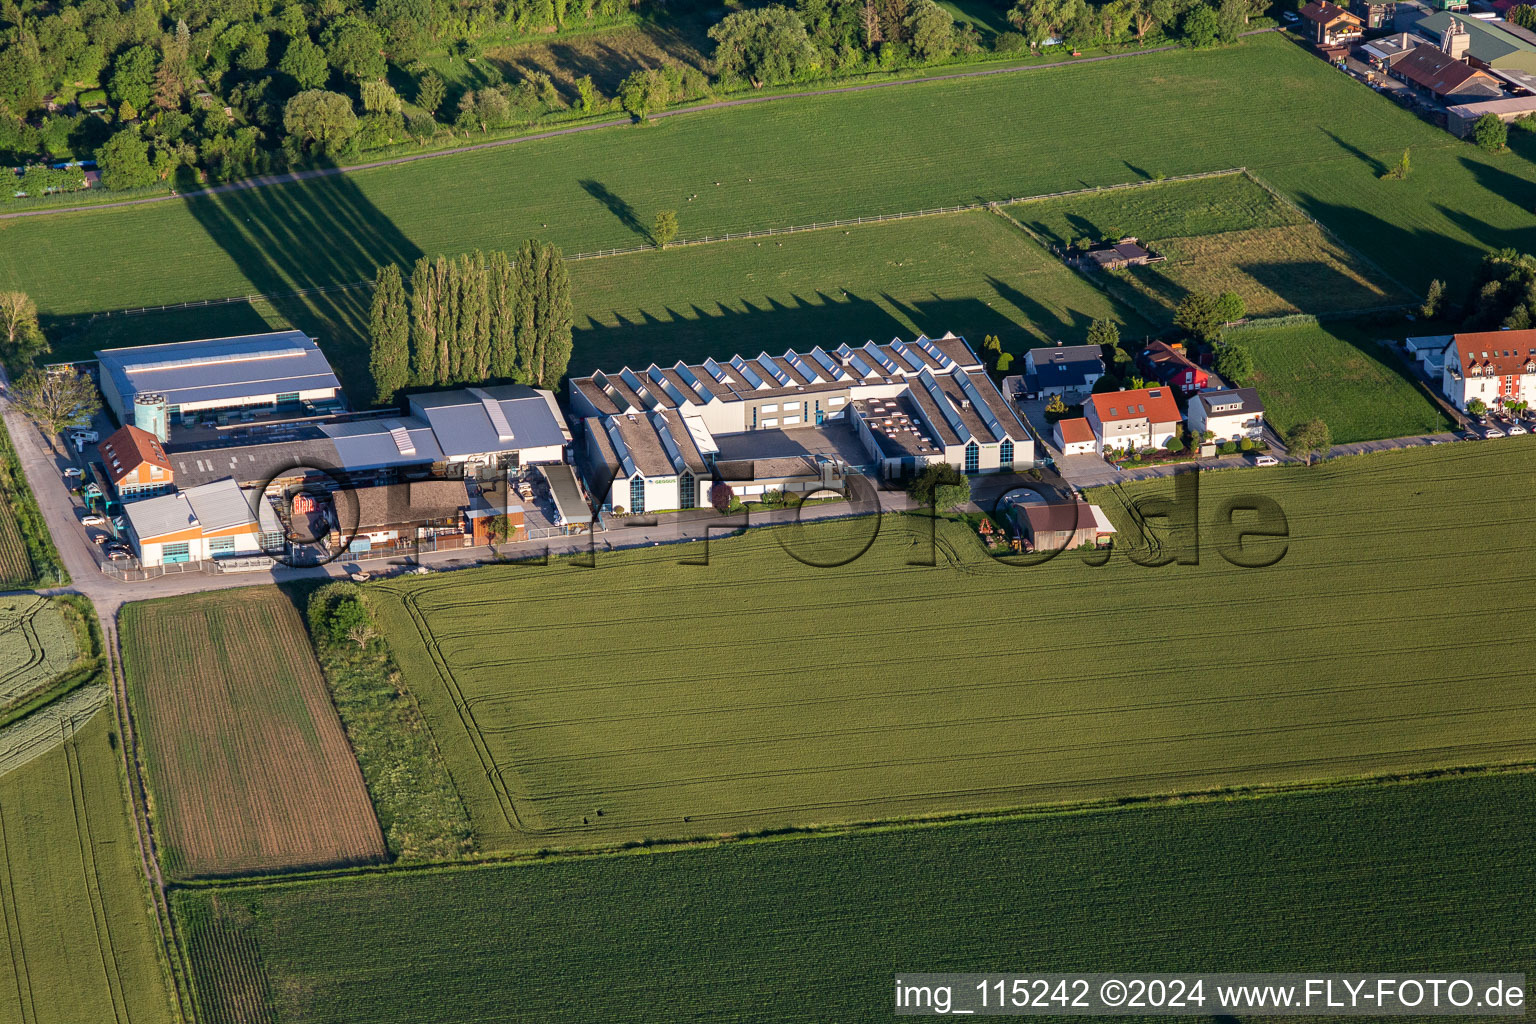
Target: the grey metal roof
pixel 220 505
pixel 1245 400
pixel 376 444
pixel 567 494
pixel 466 420
pixel 212 506
pixel 219 369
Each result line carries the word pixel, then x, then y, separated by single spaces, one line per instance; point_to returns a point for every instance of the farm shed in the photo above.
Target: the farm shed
pixel 1064 525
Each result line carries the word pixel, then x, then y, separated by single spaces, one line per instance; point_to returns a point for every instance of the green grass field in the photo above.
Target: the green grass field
pixel 77 940
pixel 969 272
pixel 656 699
pixel 1216 235
pixel 37 645
pixel 1317 135
pixel 1411 877
pixel 1336 370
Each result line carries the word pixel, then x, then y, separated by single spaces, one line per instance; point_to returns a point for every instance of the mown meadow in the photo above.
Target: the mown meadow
pixel 1317 135
pixel 653 698
pixel 1427 876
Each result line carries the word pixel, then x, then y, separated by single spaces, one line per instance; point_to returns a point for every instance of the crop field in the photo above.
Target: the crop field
pixel 637 701
pixel 77 940
pixel 247 763
pixel 1318 136
pixel 27 554
pixel 973 273
pixel 1218 234
pixel 36 644
pixel 1265 884
pixel 1336 370
pixel 15 562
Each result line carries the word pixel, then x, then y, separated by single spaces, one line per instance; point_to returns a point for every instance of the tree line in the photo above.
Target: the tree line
pixel 181 88
pixel 472 318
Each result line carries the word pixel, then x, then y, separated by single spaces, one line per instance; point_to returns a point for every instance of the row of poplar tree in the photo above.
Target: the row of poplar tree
pixel 478 317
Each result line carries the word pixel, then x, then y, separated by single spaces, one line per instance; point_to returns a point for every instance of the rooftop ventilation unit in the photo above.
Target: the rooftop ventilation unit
pixel 494 411
pixel 402 437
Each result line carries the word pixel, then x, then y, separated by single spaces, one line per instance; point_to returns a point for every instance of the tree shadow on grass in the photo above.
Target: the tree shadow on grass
pixel 321 238
pixel 616 206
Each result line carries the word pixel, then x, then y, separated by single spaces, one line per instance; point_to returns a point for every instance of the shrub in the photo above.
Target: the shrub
pixel 1246 444
pixel 1227 447
pixel 1008 42
pixel 1174 445
pixel 941 485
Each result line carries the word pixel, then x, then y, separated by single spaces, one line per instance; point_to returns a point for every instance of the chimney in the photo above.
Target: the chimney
pixel 1455 40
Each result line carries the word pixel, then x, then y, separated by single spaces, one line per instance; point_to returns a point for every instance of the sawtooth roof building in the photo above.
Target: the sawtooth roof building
pixel 257 371
pixel 651 434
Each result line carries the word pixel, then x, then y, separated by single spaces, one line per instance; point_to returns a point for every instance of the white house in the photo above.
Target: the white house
pixel 1127 420
pixel 1062 370
pixel 1498 367
pixel 1075 436
pixel 1231 414
pixel 214 520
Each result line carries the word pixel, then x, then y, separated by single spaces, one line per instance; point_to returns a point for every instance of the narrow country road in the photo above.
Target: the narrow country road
pixel 324 172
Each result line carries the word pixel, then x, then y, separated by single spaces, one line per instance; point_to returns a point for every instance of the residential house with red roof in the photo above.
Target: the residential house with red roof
pixel 1130 420
pixel 136 464
pixel 1074 436
pixel 1497 367
pixel 1168 364
pixel 1331 24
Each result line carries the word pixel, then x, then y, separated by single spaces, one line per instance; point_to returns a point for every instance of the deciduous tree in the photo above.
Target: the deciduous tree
pixel 763 45
pixel 1310 438
pixel 56 399
pixel 664 231
pixel 1234 361
pixel 23 337
pixel 320 121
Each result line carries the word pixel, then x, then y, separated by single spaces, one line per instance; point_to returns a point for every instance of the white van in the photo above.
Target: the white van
pixel 1266 460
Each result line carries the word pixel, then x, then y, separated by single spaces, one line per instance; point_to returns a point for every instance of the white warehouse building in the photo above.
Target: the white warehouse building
pixel 908 404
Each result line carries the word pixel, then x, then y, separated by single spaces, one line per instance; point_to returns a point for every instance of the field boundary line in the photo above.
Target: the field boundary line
pixel 16 945
pixel 143 830
pixel 1103 805
pixel 631 250
pixel 91 870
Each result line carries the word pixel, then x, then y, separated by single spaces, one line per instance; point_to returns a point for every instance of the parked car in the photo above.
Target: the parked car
pixel 1290 17
pixel 1266 460
pixel 119 555
pixel 99 538
pixel 72 473
pixel 92 519
pixel 1491 432
pixel 1515 428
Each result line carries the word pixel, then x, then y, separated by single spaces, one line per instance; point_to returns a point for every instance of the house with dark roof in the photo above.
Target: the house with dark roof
pixel 1231 414
pixel 1132 420
pixel 135 464
pixel 1375 14
pixel 1432 72
pixel 1067 370
pixel 1332 25
pixel 1169 365
pixel 1128 252
pixel 1495 367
